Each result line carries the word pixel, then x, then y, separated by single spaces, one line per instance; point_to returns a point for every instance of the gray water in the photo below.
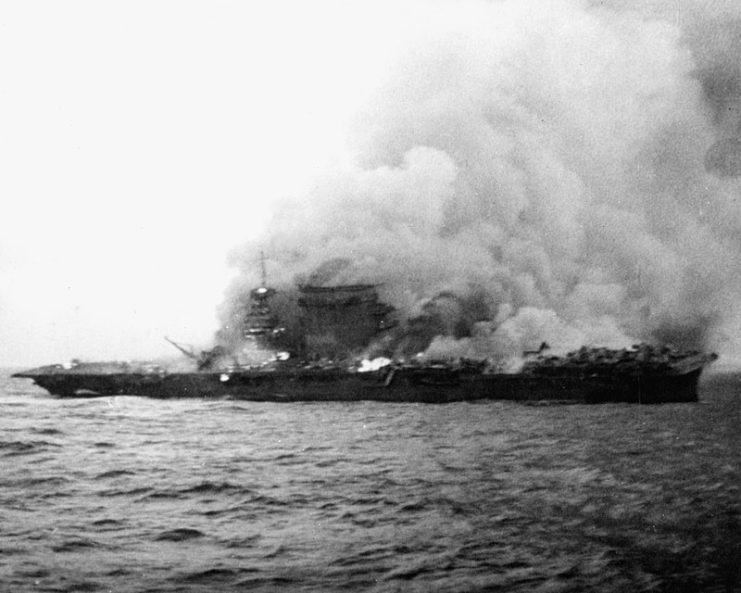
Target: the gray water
pixel 133 494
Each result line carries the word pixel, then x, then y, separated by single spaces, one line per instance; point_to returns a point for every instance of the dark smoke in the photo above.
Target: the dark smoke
pixel 724 158
pixel 712 31
pixel 538 171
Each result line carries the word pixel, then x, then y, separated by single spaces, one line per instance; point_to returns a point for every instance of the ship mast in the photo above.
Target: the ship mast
pixel 262 269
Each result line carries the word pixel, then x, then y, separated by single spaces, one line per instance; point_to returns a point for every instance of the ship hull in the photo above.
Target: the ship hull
pixel 396 386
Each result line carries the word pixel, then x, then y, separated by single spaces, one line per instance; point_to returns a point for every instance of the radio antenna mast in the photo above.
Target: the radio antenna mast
pixel 262 268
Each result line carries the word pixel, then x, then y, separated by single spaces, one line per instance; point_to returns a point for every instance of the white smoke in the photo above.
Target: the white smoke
pixel 541 166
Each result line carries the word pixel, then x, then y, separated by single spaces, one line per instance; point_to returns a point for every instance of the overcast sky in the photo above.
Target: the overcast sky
pixel 140 141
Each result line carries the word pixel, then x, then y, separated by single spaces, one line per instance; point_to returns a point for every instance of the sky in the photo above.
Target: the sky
pixel 537 166
pixel 140 141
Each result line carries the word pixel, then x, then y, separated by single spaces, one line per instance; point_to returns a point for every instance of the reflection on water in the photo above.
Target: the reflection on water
pixel 131 494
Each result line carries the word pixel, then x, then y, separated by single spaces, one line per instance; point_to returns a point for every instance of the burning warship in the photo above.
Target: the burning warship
pixel 271 363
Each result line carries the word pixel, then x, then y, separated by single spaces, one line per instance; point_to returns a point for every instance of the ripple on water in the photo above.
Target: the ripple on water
pixel 141 495
pixel 75 544
pixel 212 576
pixel 179 534
pixel 17 448
pixel 115 473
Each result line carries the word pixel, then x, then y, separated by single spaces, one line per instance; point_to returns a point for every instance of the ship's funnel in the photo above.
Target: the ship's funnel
pixel 724 158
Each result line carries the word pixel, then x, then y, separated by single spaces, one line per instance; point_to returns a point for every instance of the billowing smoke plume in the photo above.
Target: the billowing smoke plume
pixel 536 171
pixel 712 30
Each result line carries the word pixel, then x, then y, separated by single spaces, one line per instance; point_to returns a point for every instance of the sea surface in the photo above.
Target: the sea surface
pixel 132 494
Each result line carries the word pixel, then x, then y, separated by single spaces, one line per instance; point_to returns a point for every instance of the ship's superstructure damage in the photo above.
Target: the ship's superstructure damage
pixel 337 320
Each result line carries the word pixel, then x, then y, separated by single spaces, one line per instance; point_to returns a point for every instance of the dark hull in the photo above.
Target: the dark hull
pixel 398 386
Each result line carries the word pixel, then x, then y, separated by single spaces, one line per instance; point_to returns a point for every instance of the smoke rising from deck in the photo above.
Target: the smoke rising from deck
pixel 535 171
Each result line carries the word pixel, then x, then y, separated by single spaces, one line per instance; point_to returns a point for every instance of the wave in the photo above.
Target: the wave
pixel 14 448
pixel 130 492
pixel 218 575
pixel 46 431
pixel 241 542
pixel 213 487
pixel 180 534
pixel 75 544
pixel 34 482
pixel 202 488
pixel 115 473
pixel 278 550
pixel 107 522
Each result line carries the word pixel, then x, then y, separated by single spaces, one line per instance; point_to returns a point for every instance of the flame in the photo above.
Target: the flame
pixel 366 365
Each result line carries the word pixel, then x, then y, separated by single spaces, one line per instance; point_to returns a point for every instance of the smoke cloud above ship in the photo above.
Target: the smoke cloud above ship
pixel 536 171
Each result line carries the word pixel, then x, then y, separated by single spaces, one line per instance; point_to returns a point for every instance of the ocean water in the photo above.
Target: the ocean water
pixel 132 494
